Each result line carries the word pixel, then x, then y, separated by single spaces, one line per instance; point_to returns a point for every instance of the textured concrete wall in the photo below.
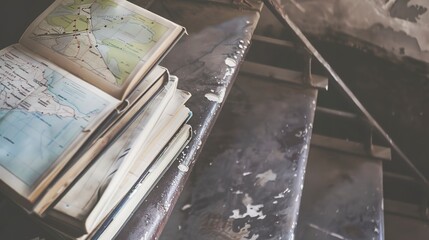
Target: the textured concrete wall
pixel 399 28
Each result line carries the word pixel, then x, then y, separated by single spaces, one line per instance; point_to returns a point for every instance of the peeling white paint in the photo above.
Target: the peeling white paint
pixel 265 177
pixel 247 200
pixel 281 195
pixel 212 97
pixel 186 207
pixel 216 97
pixel 254 237
pixel 245 230
pixel 230 62
pixel 183 168
pixel 251 211
pixel 246 173
pixel 199 144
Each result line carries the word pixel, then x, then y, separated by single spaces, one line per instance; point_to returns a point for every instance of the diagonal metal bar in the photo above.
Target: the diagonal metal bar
pixel 277 9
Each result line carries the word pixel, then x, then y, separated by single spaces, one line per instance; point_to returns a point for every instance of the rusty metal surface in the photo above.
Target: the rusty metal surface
pixel 248 181
pixel 206 62
pixel 342 197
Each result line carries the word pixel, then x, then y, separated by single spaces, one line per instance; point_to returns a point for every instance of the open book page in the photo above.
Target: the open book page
pixel 152 82
pixel 109 43
pixel 45 113
pixel 173 118
pixel 164 131
pixel 143 187
pixel 103 178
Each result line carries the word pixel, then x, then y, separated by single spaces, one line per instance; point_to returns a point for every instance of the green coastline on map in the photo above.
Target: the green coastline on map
pixel 43 111
pixel 101 36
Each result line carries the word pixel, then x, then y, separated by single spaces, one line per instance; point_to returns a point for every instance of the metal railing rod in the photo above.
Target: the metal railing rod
pixel 338 113
pixel 278 42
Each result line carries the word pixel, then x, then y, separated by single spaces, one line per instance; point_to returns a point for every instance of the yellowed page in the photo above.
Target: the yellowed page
pixel 102 179
pixel 163 132
pixel 45 115
pixel 145 90
pixel 109 43
pixel 147 184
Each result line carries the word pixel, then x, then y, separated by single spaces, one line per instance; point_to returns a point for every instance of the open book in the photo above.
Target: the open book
pixel 76 71
pixel 96 195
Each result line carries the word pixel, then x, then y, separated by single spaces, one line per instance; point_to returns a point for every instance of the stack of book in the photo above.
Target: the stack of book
pixel 88 121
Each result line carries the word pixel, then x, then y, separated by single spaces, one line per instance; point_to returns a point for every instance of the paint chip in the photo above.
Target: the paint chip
pixel 186 207
pixel 265 177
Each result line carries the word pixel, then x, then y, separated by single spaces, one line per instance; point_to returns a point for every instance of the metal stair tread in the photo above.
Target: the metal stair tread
pixel 342 197
pixel 248 181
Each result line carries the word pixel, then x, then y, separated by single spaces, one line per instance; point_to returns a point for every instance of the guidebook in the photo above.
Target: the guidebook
pixel 107 185
pixel 70 84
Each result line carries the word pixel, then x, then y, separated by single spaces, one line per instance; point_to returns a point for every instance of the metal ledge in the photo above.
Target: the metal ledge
pixel 274 41
pixel 281 74
pixel 350 147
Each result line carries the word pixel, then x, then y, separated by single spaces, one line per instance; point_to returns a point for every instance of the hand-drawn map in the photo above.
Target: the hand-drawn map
pixel 42 111
pixel 100 35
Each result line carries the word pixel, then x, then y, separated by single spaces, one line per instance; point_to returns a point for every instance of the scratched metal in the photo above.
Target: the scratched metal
pixel 248 182
pixel 342 197
pixel 206 62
